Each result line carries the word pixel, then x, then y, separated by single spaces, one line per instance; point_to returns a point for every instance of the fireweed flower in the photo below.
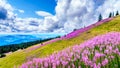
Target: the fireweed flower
pixel 94 53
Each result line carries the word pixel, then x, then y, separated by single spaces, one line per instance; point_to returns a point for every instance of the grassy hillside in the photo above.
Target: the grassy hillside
pixel 21 56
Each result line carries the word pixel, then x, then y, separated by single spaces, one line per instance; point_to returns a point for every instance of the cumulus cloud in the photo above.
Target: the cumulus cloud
pixel 74 14
pixel 6 6
pixel 70 14
pixel 27 24
pixel 43 13
pixel 109 6
pixel 6 16
pixel 21 11
pixel 3 13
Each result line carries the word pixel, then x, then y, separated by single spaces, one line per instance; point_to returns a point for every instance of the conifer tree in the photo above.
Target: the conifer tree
pixel 117 13
pixel 100 17
pixel 110 15
pixel 113 14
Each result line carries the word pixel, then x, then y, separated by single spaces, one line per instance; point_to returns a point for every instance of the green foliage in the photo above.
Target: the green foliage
pixel 110 15
pixel 20 56
pixel 113 14
pixel 15 47
pixel 2 55
pixel 74 29
pixel 117 13
pixel 100 17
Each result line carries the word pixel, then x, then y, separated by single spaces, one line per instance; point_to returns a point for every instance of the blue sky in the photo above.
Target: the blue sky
pixel 52 16
pixel 30 6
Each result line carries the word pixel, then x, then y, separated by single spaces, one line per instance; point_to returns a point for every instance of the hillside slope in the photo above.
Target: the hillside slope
pixel 21 56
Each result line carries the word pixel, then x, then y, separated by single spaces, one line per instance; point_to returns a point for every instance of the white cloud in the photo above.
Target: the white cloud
pixel 8 7
pixel 109 6
pixel 21 11
pixel 43 13
pixel 28 24
pixel 70 14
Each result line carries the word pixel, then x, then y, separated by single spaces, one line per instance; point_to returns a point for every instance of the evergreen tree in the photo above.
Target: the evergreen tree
pixel 113 14
pixel 100 17
pixel 110 15
pixel 74 29
pixel 117 13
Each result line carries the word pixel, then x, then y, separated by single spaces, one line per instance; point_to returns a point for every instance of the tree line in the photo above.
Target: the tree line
pixel 111 14
pixel 14 47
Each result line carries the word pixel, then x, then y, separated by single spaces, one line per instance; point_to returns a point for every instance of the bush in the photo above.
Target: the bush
pixel 2 55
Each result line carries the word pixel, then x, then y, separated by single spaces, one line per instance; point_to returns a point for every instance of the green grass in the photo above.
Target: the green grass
pixel 20 57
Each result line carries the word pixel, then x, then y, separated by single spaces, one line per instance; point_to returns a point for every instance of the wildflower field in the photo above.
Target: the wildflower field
pixel 99 52
pixel 80 48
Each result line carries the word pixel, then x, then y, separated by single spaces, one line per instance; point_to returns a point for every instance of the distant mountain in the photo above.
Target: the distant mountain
pixel 20 38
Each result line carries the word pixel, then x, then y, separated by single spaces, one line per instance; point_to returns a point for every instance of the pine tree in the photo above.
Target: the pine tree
pixel 117 13
pixel 110 15
pixel 113 14
pixel 100 17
